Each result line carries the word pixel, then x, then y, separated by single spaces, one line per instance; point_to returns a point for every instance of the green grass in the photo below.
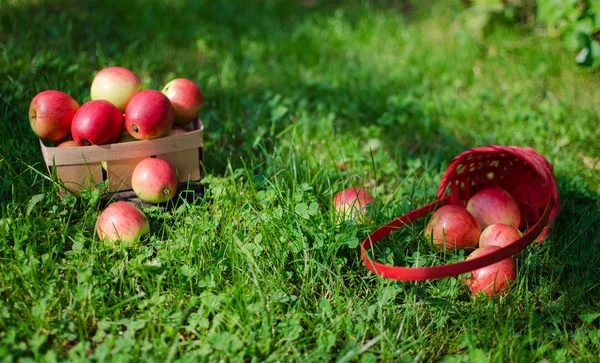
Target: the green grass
pixel 297 93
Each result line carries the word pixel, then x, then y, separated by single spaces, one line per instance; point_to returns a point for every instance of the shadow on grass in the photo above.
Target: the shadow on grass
pixel 219 43
pixel 570 270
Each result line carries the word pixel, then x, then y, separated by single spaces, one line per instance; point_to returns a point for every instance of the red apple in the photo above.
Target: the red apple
pixel 149 115
pixel 498 234
pixel 186 97
pixel 493 279
pixel 451 226
pixel 51 113
pixel 352 203
pixel 96 123
pixel 154 180
pixel 122 221
pixel 70 143
pixel 494 205
pixel 117 85
pixel 179 130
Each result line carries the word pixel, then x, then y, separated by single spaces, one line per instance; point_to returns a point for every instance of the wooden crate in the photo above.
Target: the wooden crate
pixel 82 168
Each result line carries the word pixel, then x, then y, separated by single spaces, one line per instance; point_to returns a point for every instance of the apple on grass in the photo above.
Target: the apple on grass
pixel 149 115
pixel 494 205
pixel 352 203
pixel 154 180
pixel 96 123
pixel 121 221
pixel 498 234
pixel 453 227
pixel 51 113
pixel 493 279
pixel 117 85
pixel 186 97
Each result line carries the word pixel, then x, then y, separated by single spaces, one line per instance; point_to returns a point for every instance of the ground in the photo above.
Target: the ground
pixel 303 99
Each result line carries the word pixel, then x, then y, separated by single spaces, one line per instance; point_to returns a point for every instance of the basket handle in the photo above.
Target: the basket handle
pixel 453 269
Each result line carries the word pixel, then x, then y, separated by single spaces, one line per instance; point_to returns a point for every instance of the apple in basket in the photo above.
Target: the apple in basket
pixel 187 99
pixel 97 123
pixel 154 180
pixel 352 203
pixel 51 113
pixel 121 221
pixel 117 85
pixel 494 205
pixel 493 279
pixel 452 226
pixel 498 234
pixel 149 115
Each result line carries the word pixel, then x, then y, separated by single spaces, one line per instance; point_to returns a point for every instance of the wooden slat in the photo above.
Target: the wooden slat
pixel 122 151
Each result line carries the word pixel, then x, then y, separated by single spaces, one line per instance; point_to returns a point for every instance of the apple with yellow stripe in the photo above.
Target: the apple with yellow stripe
pixel 117 85
pixel 121 221
pixel 453 227
pixel 353 203
pixel 494 205
pixel 154 180
pixel 187 99
pixel 494 279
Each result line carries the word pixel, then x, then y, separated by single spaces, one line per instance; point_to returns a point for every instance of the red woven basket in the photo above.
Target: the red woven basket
pixel 521 171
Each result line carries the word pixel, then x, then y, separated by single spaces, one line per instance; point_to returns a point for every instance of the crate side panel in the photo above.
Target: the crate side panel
pixel 119 172
pixel 80 177
pixel 185 162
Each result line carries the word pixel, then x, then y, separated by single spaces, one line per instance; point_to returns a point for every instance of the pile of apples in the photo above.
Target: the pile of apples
pixel 489 222
pixel 120 111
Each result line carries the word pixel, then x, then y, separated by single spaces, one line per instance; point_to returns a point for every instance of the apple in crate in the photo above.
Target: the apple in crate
pixel 493 279
pixel 149 115
pixel 179 130
pixel 154 180
pixel 498 234
pixel 117 85
pixel 494 205
pixel 96 123
pixel 122 221
pixel 352 203
pixel 51 113
pixel 71 143
pixel 452 226
pixel 186 97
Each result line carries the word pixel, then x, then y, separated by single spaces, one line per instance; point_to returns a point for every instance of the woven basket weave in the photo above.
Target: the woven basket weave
pixel 521 171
